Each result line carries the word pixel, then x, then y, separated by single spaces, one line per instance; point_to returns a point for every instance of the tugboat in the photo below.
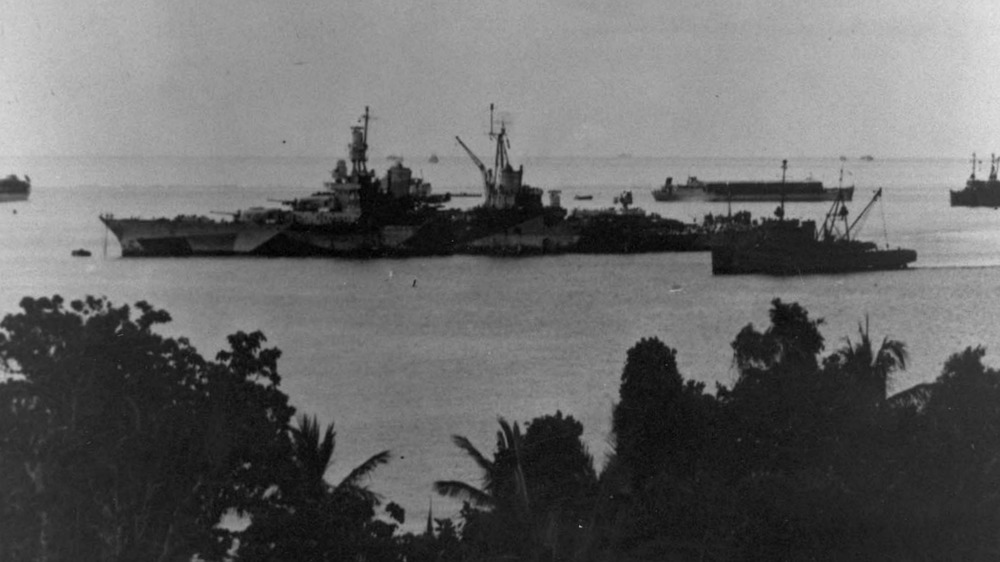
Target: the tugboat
pixel 13 188
pixel 979 193
pixel 807 190
pixel 792 247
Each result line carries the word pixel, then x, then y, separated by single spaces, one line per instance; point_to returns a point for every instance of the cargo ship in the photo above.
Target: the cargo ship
pixel 745 191
pixel 362 216
pixel 977 192
pixel 13 188
pixel 793 247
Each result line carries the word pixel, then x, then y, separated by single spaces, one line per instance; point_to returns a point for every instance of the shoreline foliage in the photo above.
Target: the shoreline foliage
pixel 117 443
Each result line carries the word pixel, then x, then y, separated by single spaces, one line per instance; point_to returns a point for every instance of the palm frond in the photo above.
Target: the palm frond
pixel 461 490
pixel 897 350
pixel 364 469
pixel 314 455
pixel 509 437
pixel 463 443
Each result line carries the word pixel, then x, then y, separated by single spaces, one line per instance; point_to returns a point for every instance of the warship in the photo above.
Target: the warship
pixel 977 192
pixel 792 247
pixel 355 214
pixel 13 188
pixel 360 215
pixel 807 190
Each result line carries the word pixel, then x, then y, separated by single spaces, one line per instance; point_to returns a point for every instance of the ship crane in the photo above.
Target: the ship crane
pixel 487 173
pixel 839 212
pixel 503 183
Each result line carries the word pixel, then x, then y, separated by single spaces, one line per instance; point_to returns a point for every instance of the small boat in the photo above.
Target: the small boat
pixel 583 197
pixel 868 158
pixel 80 253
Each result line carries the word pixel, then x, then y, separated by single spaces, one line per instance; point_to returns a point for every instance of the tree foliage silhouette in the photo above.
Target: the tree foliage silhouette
pixel 120 444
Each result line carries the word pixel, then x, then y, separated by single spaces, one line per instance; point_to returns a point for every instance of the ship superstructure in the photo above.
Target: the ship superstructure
pixel 503 186
pixel 13 188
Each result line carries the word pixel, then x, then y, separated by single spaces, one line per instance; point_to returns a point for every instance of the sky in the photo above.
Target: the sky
pixel 891 78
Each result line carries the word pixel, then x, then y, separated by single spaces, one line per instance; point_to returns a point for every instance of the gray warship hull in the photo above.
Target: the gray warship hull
pixel 446 233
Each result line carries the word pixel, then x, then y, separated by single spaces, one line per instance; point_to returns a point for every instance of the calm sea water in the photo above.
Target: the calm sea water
pixel 402 367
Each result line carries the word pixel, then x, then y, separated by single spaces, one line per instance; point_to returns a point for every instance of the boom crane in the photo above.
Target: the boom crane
pixel 503 186
pixel 864 212
pixel 487 173
pixel 839 212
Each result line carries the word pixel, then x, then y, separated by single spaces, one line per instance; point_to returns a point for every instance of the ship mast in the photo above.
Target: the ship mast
pixel 838 211
pixel 502 184
pixel 359 147
pixel 501 160
pixel 973 176
pixel 781 209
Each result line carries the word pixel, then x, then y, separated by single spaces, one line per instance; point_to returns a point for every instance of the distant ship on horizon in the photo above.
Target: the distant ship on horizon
pixel 738 191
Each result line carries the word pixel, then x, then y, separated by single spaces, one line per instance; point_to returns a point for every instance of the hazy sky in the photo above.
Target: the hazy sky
pixel 663 77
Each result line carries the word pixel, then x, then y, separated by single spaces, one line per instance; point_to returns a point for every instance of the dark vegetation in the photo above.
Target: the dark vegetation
pixel 117 443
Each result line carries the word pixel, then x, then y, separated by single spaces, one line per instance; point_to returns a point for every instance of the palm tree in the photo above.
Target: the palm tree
pixel 312 519
pixel 314 455
pixel 503 477
pixel 871 368
pixel 503 523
